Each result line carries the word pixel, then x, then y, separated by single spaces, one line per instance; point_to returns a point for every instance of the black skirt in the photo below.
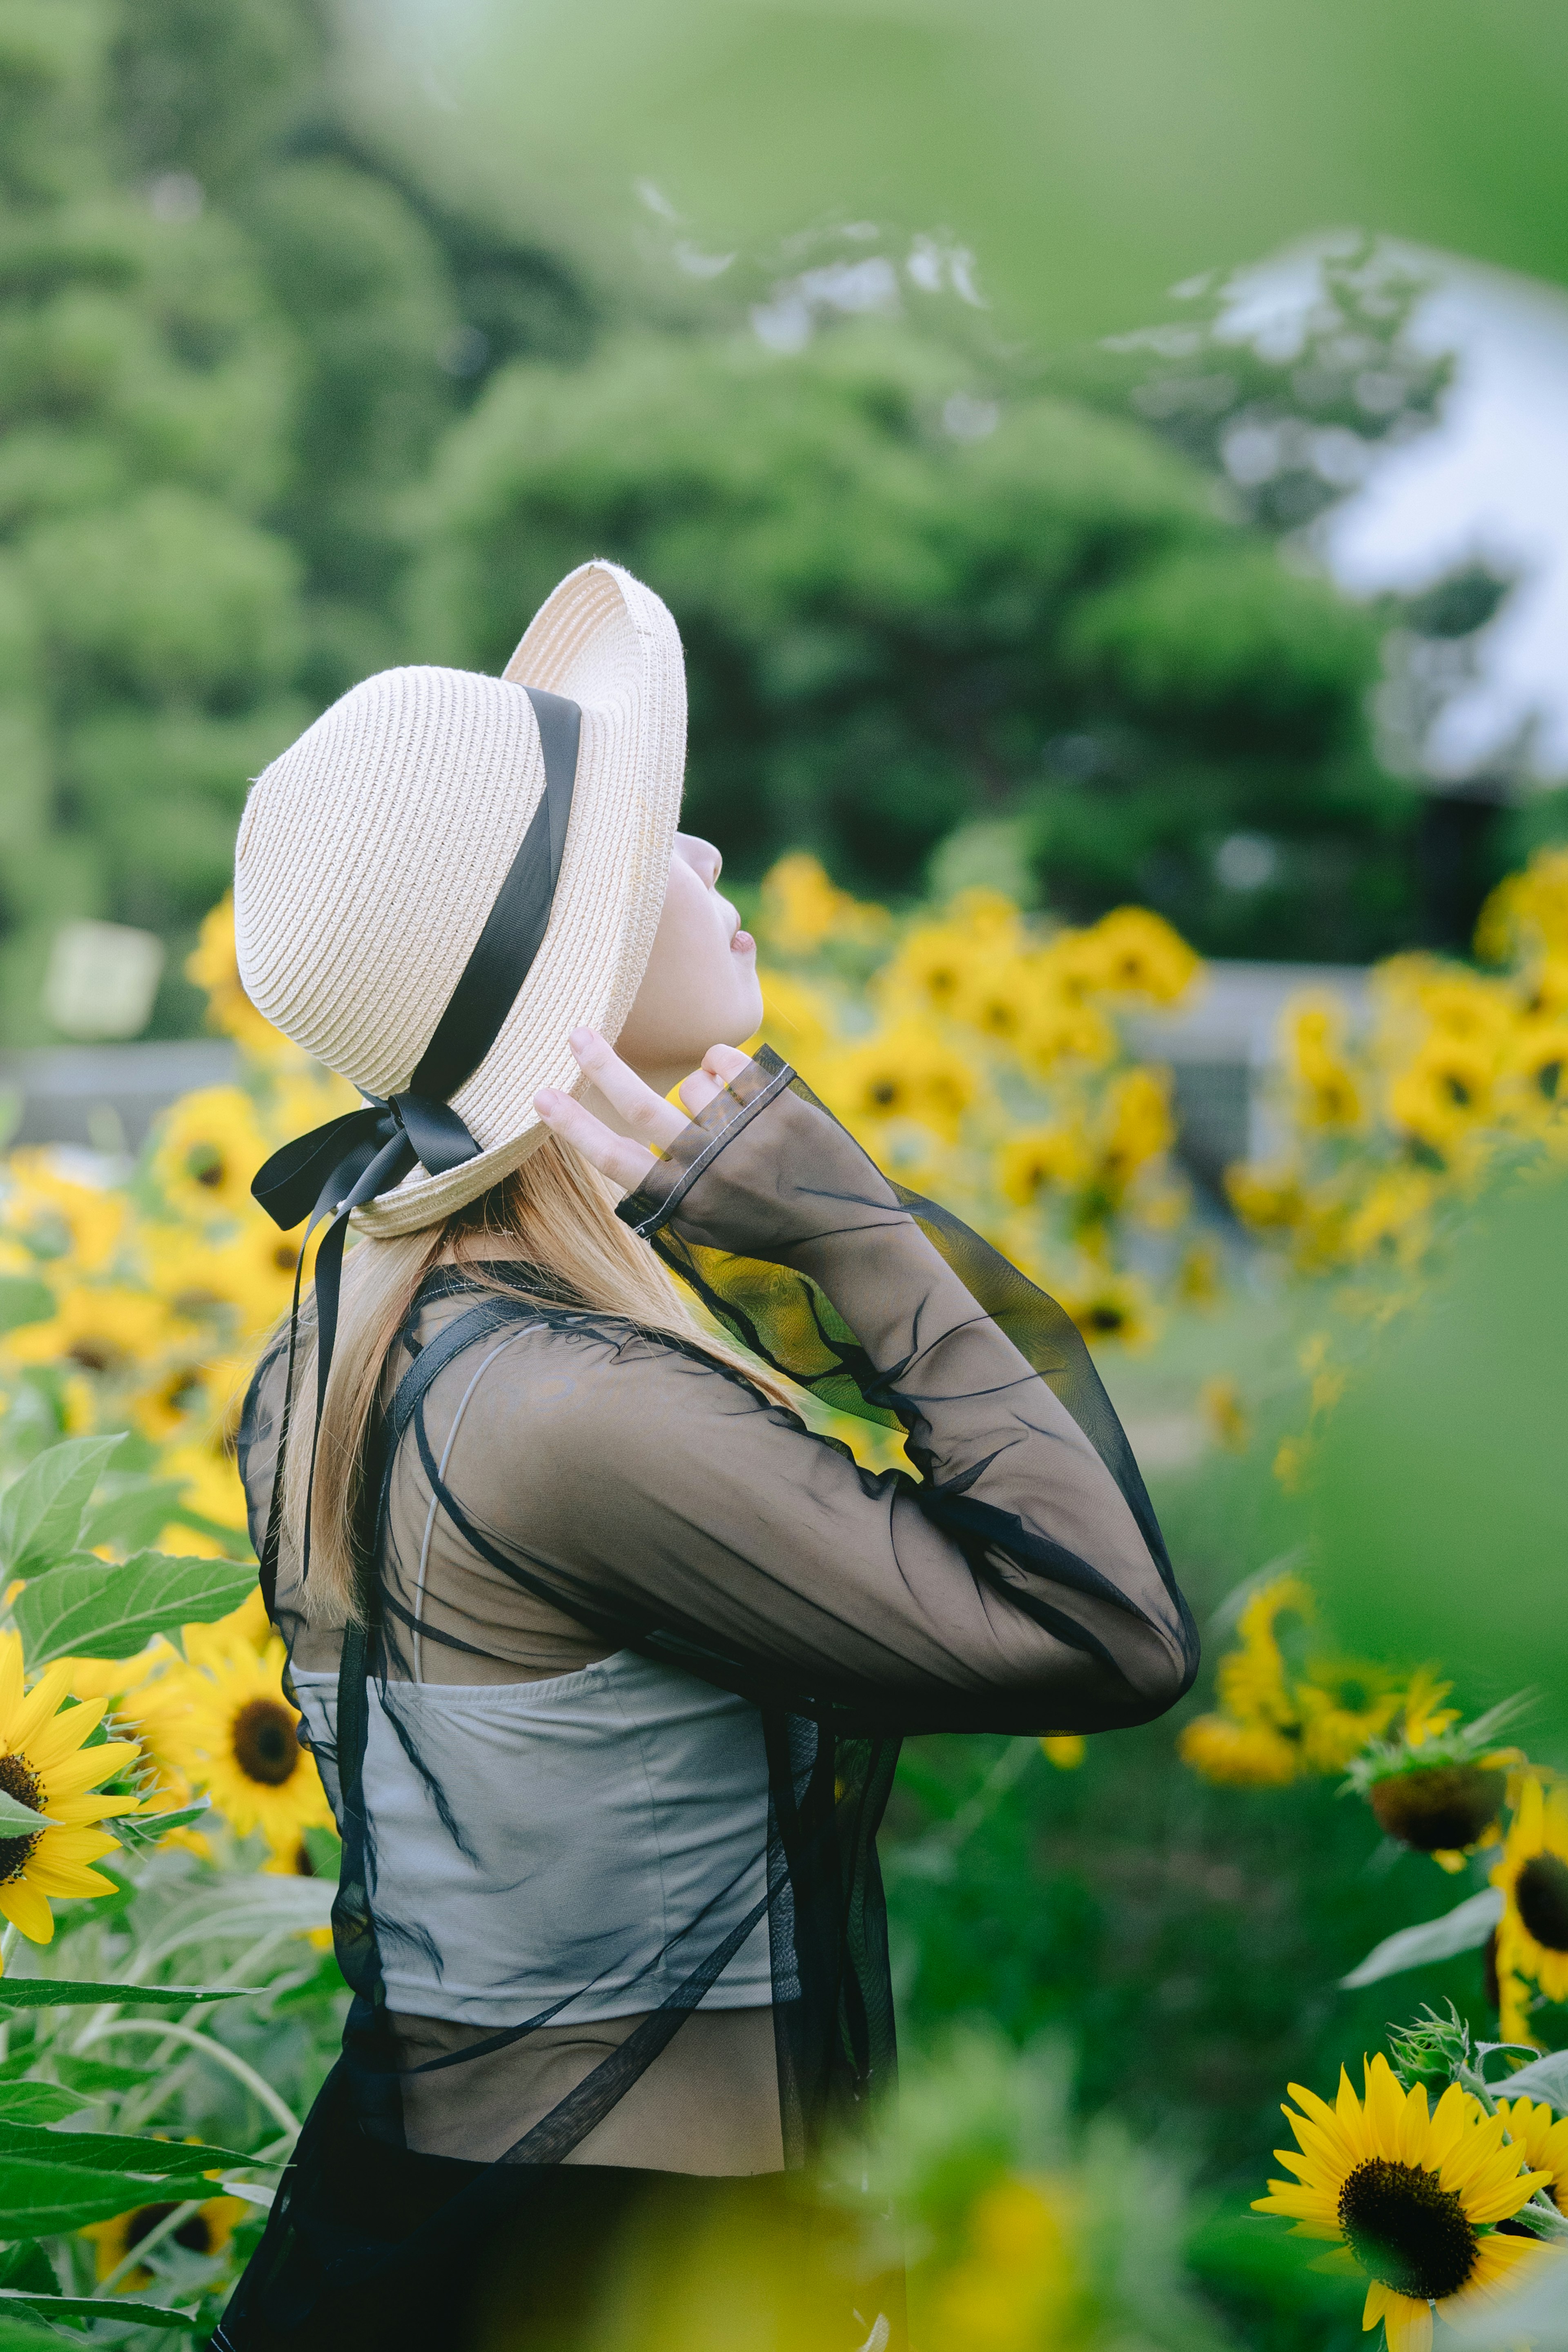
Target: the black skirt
pixel 374 2246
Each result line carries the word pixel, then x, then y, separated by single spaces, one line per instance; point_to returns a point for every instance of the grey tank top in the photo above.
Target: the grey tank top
pixel 606 1830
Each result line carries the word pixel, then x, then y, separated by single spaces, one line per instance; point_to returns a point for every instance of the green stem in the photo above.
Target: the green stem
pixel 221 2055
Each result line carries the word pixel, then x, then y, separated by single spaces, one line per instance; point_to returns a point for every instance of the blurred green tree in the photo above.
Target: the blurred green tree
pixel 908 609
pixel 227 345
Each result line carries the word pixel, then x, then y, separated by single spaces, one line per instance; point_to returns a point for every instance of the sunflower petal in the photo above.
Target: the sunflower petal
pixel 1408 2325
pixel 28 1910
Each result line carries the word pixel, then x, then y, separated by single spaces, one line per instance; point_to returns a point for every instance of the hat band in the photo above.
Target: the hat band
pixel 336 1168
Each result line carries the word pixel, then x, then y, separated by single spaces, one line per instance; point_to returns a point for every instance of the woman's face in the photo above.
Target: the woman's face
pixel 700 986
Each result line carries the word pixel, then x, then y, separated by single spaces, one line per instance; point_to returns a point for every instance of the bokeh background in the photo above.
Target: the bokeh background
pixel 1109 468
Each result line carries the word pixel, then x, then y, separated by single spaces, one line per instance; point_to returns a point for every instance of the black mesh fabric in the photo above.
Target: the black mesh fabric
pixel 616 1491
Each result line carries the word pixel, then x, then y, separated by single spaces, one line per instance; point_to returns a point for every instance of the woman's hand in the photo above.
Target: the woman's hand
pixel 654 1123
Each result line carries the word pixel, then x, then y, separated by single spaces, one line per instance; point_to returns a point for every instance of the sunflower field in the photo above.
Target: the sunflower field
pixel 1113 1956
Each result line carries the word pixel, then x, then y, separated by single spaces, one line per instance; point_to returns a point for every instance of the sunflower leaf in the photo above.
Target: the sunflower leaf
pixel 135 1517
pixel 38 2103
pixel 1463 1929
pixel 69 1993
pixel 116 2152
pixel 1544 2078
pixel 97 2306
pixel 17 1820
pixel 41 2201
pixel 101 1608
pixel 147 1829
pixel 41 1512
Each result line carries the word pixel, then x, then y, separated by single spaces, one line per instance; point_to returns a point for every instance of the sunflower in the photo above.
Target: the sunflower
pixel 106 1330
pixel 148 1700
pixel 1117 1308
pixel 1136 1128
pixel 1411 2198
pixel 1445 1091
pixel 795 1020
pixel 1238 1754
pixel 1063 1028
pixel 1542 2136
pixel 1224 1413
pixel 250 1274
pixel 1343 1703
pixel 1532 1935
pixel 244 1732
pixel 206 2231
pixel 58 1217
pixel 1393 1219
pixel 213 966
pixel 1269 1200
pixel 210 1145
pixel 1064 1750
pixel 1042 1157
pixel 1537 1064
pixel 44 1764
pixel 902 1073
pixel 1141 955
pixel 997 997
pixel 1327 1090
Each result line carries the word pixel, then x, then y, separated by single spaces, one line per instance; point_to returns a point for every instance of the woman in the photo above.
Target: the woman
pixel 603 1654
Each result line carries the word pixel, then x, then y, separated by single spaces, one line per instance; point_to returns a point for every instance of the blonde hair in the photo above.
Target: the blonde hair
pixel 555 1212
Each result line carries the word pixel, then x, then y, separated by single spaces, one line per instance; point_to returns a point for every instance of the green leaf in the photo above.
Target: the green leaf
pixel 28 2265
pixel 99 2306
pixel 17 1820
pixel 41 1512
pixel 40 2200
pixel 24 1299
pixel 135 1517
pixel 1544 2078
pixel 19 2333
pixel 38 2103
pixel 67 1993
pixel 1463 1929
pixel 117 2152
pixel 97 2075
pixel 145 1828
pixel 99 1608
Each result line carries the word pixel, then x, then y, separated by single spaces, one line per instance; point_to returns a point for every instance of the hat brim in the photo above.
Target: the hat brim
pixel 610 645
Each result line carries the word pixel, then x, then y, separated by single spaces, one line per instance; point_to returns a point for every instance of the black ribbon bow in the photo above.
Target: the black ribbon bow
pixel 337 1168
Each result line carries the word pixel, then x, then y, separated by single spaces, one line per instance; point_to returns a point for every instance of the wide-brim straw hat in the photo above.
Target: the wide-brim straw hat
pixel 371 853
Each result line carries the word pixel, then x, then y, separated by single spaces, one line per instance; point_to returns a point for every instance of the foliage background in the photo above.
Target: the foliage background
pixel 963 609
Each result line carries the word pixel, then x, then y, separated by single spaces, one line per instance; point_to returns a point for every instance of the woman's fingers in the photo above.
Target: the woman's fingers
pixel 651 1119
pixel 720 1065
pixel 626 1163
pixel 626 1160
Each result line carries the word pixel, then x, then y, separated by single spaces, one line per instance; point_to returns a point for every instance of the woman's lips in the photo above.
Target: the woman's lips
pixel 743 943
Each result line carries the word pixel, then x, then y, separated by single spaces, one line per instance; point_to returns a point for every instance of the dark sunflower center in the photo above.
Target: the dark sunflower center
pixel 1438 1808
pixel 93 1354
pixel 263 1743
pixel 18 1780
pixel 204 1165
pixel 1103 1316
pixel 194 2233
pixel 1407 2230
pixel 885 1091
pixel 1540 1893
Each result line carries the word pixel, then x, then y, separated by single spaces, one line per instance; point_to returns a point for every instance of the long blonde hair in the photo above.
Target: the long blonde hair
pixel 557 1214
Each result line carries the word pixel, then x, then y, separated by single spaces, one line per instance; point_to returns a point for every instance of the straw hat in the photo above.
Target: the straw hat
pixel 371 853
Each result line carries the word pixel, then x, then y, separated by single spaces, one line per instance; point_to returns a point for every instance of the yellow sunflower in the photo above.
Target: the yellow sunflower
pixel 1031 1163
pixel 57 1216
pixel 104 1330
pixel 243 1731
pixel 1136 1126
pixel 1343 1703
pixel 1541 2134
pixel 1238 1754
pixel 250 1274
pixel 1532 1934
pixel 147 1699
pixel 1141 955
pixel 1412 2199
pixel 210 1145
pixel 1116 1308
pixel 212 1490
pixel 207 2231
pixel 44 1764
pixel 1445 1091
pixel 213 966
